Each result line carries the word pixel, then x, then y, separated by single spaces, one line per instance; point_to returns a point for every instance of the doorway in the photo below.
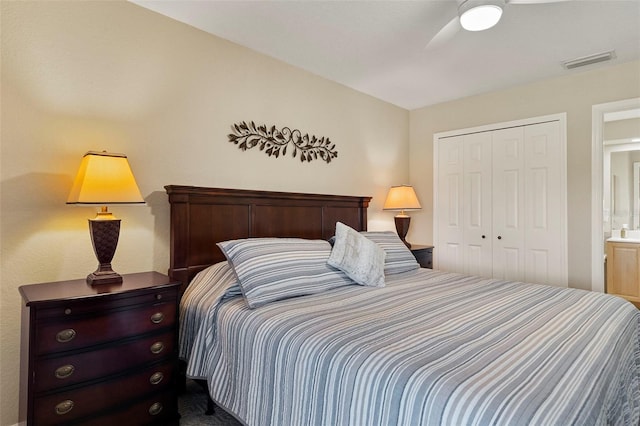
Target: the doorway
pixel 600 113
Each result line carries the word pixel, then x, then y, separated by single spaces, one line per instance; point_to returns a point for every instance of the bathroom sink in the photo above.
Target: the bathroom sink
pixel 632 236
pixel 623 240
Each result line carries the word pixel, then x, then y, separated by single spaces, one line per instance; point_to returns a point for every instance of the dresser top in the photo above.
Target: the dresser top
pixel 78 289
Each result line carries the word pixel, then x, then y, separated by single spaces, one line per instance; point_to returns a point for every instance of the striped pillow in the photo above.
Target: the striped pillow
pixel 272 269
pixel 399 258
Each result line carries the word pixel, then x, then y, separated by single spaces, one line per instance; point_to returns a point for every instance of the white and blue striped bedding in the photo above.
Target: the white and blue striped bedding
pixel 430 348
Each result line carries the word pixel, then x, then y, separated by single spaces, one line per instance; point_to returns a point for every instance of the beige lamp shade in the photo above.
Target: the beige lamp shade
pixel 402 198
pixel 104 178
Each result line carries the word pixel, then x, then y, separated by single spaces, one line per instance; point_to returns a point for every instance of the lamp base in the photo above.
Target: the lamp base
pixel 104 236
pixel 104 277
pixel 402 227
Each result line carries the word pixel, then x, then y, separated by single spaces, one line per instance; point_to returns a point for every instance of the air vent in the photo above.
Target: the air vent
pixel 588 60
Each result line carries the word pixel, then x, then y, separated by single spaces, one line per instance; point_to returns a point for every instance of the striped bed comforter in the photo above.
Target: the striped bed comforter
pixel 430 348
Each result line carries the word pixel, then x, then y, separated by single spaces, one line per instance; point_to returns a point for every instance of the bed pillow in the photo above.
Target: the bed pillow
pixel 270 269
pixel 358 257
pixel 398 257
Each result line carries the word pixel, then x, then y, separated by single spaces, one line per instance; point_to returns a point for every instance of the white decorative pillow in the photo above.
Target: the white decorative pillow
pixel 358 257
pixel 271 269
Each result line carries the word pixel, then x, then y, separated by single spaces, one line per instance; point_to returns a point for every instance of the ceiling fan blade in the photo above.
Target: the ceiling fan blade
pixel 535 1
pixel 445 34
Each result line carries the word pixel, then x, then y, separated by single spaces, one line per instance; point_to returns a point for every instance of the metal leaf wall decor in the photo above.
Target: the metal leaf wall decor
pixel 275 142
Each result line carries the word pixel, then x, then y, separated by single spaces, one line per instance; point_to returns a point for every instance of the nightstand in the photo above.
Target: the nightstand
pixel 423 254
pixel 100 355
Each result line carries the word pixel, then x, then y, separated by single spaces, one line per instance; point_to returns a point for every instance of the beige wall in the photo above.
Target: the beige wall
pixel 621 129
pixel 80 76
pixel 574 94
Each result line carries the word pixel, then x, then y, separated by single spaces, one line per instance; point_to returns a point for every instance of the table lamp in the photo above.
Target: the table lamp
pixel 402 198
pixel 104 178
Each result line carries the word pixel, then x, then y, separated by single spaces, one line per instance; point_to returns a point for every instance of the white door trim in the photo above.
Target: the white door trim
pixel 562 119
pixel 636 194
pixel 597 142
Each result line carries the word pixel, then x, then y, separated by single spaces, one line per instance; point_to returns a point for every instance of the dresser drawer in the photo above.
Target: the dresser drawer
pixel 159 409
pixel 74 404
pixel 74 333
pixel 62 371
pixel 71 308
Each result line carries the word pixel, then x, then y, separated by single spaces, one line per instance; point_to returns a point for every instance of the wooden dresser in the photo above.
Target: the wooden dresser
pixel 100 355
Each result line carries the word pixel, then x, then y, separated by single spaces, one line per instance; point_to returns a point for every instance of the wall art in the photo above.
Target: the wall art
pixel 275 142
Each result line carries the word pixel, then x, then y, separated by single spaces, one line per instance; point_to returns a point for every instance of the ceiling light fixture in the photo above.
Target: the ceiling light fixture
pixel 480 15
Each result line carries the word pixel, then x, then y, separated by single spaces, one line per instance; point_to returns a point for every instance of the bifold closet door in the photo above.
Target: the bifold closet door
pixel 508 236
pixel 544 205
pixel 476 206
pixel 450 202
pixel 527 204
pixel 501 204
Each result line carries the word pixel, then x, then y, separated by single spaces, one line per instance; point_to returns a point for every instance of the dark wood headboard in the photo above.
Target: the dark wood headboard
pixel 202 217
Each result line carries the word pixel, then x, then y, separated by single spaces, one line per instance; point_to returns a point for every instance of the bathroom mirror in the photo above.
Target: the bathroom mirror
pixel 624 186
pixel 621 171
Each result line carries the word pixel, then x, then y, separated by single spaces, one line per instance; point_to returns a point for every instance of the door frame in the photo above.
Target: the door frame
pixel 562 119
pixel 597 181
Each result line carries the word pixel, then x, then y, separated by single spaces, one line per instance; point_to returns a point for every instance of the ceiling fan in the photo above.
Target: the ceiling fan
pixel 477 15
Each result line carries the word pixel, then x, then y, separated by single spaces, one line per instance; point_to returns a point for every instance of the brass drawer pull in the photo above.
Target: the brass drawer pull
pixel 65 336
pixel 157 347
pixel 156 378
pixel 155 409
pixel 64 371
pixel 157 317
pixel 64 407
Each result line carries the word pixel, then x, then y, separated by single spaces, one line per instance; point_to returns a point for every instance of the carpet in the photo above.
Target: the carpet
pixel 193 404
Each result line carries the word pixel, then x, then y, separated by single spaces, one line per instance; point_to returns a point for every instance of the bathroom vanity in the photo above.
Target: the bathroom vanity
pixel 623 266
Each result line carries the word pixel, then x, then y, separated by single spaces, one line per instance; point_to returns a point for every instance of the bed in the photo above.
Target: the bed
pixel 426 348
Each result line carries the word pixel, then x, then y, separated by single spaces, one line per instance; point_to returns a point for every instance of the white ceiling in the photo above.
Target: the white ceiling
pixel 378 47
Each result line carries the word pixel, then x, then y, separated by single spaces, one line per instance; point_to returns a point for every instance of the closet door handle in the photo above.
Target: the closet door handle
pixel 484 236
pixel 499 237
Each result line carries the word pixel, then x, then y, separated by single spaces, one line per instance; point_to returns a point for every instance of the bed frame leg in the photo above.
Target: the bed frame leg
pixel 181 379
pixel 211 406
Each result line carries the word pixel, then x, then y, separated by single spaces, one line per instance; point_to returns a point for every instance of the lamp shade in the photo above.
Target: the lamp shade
pixel 104 178
pixel 401 197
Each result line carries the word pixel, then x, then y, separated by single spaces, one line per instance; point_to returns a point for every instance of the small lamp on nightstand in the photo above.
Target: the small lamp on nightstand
pixel 104 178
pixel 402 198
